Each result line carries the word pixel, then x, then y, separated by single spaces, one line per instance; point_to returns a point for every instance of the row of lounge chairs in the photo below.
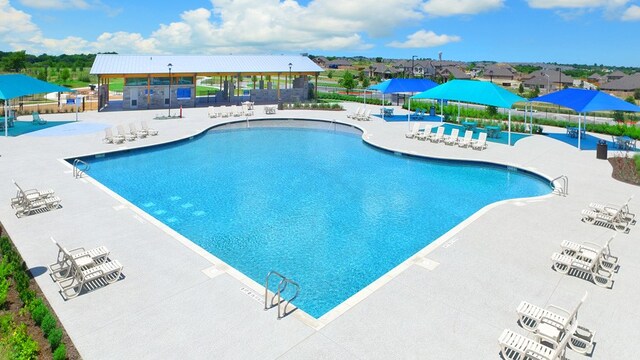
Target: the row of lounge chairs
pixel 426 133
pixel 587 261
pixel 361 114
pixel 228 111
pixel 133 133
pixel 30 201
pixel 78 269
pixel 608 215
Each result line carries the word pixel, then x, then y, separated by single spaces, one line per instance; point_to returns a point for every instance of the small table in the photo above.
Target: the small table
pixel 469 125
pixel 386 111
pixel 493 131
pixel 270 109
pixel 573 132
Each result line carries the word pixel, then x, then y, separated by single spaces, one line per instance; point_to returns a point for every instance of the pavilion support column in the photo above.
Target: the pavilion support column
pixel 315 93
pixel 278 86
pixel 509 137
pixel 148 91
pixel 238 87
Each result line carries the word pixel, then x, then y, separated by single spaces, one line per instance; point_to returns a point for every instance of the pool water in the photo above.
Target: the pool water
pixel 320 207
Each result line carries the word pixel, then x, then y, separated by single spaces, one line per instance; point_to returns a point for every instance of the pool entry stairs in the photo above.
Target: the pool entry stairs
pixel 280 301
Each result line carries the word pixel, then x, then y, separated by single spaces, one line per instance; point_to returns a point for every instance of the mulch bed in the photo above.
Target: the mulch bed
pixel 13 306
pixel 624 169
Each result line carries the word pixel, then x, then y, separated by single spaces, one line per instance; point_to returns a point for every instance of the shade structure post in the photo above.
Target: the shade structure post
pixel 509 136
pixel 409 115
pixel 458 112
pixel 382 106
pixel 6 122
pixel 441 110
pixel 579 131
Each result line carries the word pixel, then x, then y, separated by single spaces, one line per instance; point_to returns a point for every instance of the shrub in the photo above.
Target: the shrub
pixel 55 338
pixel 39 311
pixel 60 353
pixel 4 290
pixel 22 345
pixel 48 323
pixel 636 158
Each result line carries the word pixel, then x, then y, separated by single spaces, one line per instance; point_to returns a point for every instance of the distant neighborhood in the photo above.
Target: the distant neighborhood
pixel 544 77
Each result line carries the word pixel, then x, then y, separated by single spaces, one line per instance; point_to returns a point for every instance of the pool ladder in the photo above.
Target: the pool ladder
pixel 80 168
pixel 563 189
pixel 282 286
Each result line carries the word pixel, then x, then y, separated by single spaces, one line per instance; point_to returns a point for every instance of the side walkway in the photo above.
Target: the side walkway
pixel 175 301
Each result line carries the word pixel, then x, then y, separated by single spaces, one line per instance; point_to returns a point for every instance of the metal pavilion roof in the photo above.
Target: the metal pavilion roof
pixel 113 64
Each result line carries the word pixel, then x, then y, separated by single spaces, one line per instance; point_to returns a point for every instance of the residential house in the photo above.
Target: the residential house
pixel 500 73
pixel 339 64
pixel 616 75
pixel 453 72
pixel 557 80
pixel 623 87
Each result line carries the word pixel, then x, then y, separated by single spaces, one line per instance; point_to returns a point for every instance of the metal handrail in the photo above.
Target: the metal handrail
pixel 77 172
pixel 564 189
pixel 282 286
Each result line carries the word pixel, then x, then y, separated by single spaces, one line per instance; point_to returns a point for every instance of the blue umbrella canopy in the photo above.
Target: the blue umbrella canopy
pixel 584 101
pixel 403 85
pixel 472 91
pixel 16 85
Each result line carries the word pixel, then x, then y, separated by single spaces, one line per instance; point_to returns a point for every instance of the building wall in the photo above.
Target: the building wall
pixel 135 97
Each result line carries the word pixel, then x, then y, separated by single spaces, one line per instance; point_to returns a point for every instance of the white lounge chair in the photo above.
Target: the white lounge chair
pixel 150 131
pixel 224 111
pixel 466 140
pixel 514 346
pixel 359 111
pixel 32 200
pixel 591 271
pixel 591 252
pixel 414 130
pixel 63 266
pixel 37 120
pixel 613 209
pixel 109 138
pixel 23 196
pixel 481 142
pixel 211 112
pixel 452 139
pixel 531 316
pixel 366 116
pixel 124 134
pixel 425 133
pixel 438 136
pixel 133 130
pixel 90 277
pixel 616 220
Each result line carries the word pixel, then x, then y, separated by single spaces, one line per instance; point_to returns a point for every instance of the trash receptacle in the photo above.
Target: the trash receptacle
pixel 601 150
pixel 280 105
pixel 432 111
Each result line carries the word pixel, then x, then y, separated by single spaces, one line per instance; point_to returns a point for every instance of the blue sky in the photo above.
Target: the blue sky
pixel 563 31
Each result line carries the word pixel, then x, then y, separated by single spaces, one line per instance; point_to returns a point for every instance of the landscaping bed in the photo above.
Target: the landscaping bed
pixel 29 329
pixel 625 169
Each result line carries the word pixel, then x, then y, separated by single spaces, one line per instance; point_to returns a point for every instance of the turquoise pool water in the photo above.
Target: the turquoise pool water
pixel 320 207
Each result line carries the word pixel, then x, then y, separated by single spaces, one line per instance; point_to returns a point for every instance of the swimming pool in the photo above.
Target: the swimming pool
pixel 320 207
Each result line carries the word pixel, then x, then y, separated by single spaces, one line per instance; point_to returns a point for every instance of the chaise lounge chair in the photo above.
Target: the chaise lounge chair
pixel 23 196
pixel 133 130
pixel 211 112
pixel 150 131
pixel 109 138
pixel 414 130
pixel 359 111
pixel 425 133
pixel 452 139
pixel 90 277
pixel 616 220
pixel 62 268
pixel 466 140
pixel 125 135
pixel 32 200
pixel 481 142
pixel 514 346
pixel 613 209
pixel 588 270
pixel 37 120
pixel 366 116
pixel 588 251
pixel 438 136
pixel 531 316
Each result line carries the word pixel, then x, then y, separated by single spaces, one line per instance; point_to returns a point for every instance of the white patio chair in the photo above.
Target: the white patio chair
pixel 211 112
pixel 514 346
pixel 438 136
pixel 613 209
pixel 23 196
pixel 591 252
pixel 414 130
pixel 124 134
pixel 452 139
pixel 366 115
pixel 133 130
pixel 481 142
pixel 109 138
pixel 466 140
pixel 425 133
pixel 63 266
pixel 530 316
pixel 591 271
pixel 91 278
pixel 616 220
pixel 150 131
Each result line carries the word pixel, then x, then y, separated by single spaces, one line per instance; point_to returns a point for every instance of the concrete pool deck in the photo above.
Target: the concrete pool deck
pixel 452 300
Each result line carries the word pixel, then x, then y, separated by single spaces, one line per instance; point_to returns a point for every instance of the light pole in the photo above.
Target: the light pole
pixel 548 82
pixel 169 66
pixel 413 74
pixel 290 75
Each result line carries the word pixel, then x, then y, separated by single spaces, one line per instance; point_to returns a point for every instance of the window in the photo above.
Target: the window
pixel 135 81
pixel 160 81
pixel 134 102
pixel 183 94
pixel 184 80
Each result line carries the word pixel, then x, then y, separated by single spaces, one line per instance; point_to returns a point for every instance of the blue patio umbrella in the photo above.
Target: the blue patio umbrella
pixel 393 86
pixel 16 85
pixel 583 101
pixel 477 92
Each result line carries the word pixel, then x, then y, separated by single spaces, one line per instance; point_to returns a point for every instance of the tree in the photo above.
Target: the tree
pixel 42 74
pixel 451 77
pixel 536 92
pixel 630 100
pixel 347 81
pixel 65 75
pixel 521 88
pixel 378 59
pixel 618 116
pixel 15 61
pixel 636 94
pixel 366 82
pixel 492 110
pixel 361 75
pixel 330 74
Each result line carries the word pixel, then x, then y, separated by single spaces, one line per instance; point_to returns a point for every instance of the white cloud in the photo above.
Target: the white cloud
pixel 55 4
pixel 460 7
pixel 15 25
pixel 423 38
pixel 632 13
pixel 575 4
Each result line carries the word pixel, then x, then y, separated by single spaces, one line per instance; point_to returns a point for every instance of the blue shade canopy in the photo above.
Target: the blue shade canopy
pixel 472 91
pixel 403 85
pixel 584 101
pixel 16 85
